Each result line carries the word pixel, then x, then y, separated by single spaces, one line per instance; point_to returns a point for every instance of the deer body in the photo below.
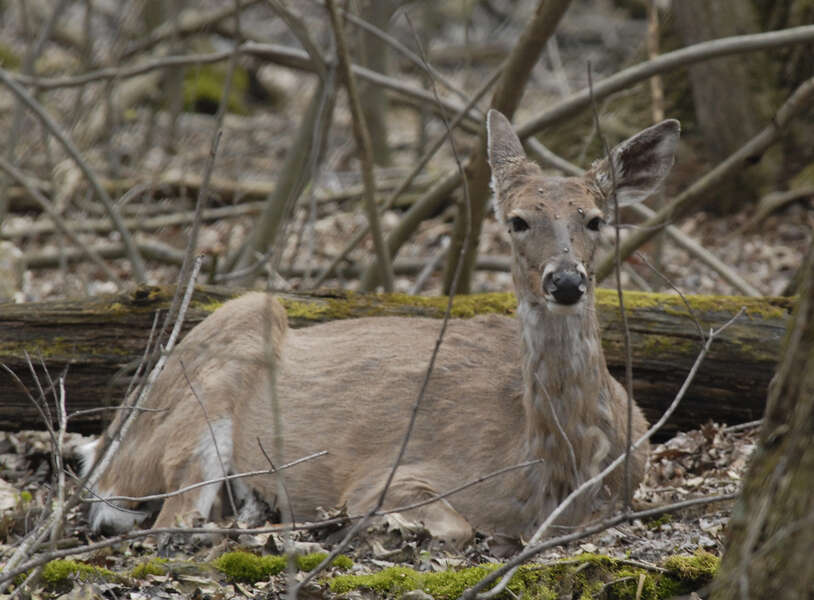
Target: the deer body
pixel 503 390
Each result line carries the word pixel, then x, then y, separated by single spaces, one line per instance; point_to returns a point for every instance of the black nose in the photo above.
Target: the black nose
pixel 567 286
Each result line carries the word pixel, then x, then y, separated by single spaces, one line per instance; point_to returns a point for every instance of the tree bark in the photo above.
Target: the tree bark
pixel 375 55
pixel 508 92
pixel 769 547
pixel 95 341
pixel 729 94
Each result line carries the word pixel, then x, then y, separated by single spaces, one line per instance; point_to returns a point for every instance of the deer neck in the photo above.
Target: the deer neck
pixel 564 375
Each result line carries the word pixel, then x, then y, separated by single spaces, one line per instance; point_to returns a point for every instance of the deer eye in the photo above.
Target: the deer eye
pixel 517 224
pixel 594 224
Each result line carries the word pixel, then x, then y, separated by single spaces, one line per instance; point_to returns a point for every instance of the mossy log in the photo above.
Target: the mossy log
pixel 95 341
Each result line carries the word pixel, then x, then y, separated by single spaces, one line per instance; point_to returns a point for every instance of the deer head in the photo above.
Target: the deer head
pixel 554 223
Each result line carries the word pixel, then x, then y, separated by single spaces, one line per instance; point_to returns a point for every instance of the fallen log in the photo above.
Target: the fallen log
pixel 94 341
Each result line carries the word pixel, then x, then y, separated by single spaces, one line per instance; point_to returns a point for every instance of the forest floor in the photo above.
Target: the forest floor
pixel 146 148
pixel 702 463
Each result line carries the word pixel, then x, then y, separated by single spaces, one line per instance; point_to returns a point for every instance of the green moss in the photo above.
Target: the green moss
pixel 58 573
pixel 395 581
pixel 308 562
pixel 326 310
pixel 58 348
pixel 697 569
pixel 767 308
pixel 343 562
pixel 658 522
pixel 585 577
pixel 8 58
pixel 203 87
pixel 154 566
pixel 659 345
pixel 463 307
pixel 244 566
pixel 25 498
pixel 210 306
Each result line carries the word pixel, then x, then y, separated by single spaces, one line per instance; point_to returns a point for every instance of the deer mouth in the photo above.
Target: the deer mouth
pixel 558 308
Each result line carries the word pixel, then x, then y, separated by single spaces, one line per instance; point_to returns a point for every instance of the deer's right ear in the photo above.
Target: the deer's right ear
pixel 505 154
pixel 639 163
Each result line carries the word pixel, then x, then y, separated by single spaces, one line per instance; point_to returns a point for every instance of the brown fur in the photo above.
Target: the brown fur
pixel 503 391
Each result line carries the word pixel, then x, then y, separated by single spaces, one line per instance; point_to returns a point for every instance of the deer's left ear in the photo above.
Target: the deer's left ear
pixel 640 163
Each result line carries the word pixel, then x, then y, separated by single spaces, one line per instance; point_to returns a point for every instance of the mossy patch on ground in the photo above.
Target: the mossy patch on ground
pixel 250 568
pixel 203 87
pixel 585 577
pixel 58 574
pixel 153 566
pixel 697 568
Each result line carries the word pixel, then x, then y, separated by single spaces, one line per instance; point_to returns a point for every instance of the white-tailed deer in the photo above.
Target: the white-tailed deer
pixel 503 390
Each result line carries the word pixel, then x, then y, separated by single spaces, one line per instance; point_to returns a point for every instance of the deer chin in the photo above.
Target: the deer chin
pixel 564 310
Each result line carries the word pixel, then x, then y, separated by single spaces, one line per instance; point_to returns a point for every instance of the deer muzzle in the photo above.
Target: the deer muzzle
pixel 566 284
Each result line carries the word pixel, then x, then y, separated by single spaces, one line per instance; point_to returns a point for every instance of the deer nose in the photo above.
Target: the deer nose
pixel 566 286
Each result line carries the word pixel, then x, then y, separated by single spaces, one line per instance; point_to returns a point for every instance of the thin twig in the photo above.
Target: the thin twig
pixel 362 135
pixel 695 249
pixel 59 509
pixel 799 101
pixel 675 288
pixel 293 58
pixel 56 218
pixel 429 268
pixel 422 391
pixel 101 464
pixel 139 270
pixel 200 201
pixel 194 486
pixel 625 327
pixel 407 181
pixel 10 573
pixel 666 62
pixel 401 49
pixel 212 435
pixel 32 54
pixel 191 22
pixel 300 30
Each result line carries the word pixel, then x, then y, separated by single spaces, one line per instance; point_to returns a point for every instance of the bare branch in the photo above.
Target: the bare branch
pixel 362 135
pixel 139 270
pixel 200 484
pixel 683 203
pixel 663 64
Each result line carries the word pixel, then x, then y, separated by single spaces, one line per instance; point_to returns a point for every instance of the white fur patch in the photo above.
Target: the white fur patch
pixel 492 181
pixel 107 514
pixel 496 199
pixel 86 453
pixel 215 450
pixel 103 514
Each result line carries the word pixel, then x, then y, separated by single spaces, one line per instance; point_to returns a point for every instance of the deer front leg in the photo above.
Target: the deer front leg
pixel 209 458
pixel 408 487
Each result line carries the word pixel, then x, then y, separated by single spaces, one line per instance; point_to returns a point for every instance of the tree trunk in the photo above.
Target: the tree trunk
pixel 508 92
pixel 729 94
pixel 375 55
pixel 769 548
pixel 99 341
